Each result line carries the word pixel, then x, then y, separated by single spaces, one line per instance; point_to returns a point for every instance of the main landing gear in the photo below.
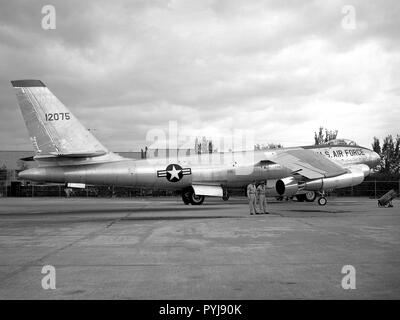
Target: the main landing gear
pixel 188 196
pixel 310 196
pixel 225 196
pixel 322 201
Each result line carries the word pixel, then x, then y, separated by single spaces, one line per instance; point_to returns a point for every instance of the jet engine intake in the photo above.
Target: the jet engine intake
pixel 287 186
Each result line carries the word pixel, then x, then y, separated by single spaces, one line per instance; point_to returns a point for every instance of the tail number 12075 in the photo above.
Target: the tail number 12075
pixel 57 116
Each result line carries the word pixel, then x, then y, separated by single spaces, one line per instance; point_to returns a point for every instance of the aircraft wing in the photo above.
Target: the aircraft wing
pixel 307 163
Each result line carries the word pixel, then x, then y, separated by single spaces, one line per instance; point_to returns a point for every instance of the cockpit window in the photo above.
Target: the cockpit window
pixel 345 142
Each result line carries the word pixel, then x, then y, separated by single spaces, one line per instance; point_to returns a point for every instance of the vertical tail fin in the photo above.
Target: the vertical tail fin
pixel 53 129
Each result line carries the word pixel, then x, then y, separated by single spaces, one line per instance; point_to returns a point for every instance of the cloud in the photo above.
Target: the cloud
pixel 282 68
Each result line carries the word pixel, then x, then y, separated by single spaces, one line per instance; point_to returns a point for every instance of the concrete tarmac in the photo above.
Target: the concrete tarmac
pixel 158 248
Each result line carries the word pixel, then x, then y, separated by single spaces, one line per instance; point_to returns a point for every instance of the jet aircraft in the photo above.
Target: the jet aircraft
pixel 68 153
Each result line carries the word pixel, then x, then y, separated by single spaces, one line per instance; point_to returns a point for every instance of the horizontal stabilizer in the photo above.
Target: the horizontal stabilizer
pixel 75 155
pixel 31 158
pixel 79 154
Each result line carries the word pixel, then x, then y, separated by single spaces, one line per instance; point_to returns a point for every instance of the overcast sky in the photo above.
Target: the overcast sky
pixel 281 67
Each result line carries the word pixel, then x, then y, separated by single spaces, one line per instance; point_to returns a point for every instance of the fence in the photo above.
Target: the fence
pixel 32 190
pixel 371 188
pixel 4 182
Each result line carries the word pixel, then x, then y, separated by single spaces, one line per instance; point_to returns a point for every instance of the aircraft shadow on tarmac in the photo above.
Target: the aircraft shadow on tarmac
pixel 139 213
pixel 177 217
pixel 317 210
pixel 115 210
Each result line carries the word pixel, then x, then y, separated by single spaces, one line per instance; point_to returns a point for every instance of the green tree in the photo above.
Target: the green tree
pixel 396 164
pixel 376 146
pixel 324 135
pixel 267 146
pixel 390 154
pixel 387 154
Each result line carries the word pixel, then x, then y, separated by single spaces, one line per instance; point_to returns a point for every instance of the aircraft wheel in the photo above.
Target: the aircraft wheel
pixel 310 196
pixel 185 197
pixel 196 200
pixel 322 201
pixel 225 195
pixel 301 197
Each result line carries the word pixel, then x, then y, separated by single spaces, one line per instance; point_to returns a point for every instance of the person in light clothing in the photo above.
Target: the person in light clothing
pixel 252 196
pixel 262 198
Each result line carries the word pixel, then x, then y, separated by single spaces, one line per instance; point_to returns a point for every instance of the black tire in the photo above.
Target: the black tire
pixel 185 198
pixel 310 196
pixel 196 200
pixel 322 201
pixel 225 195
pixel 186 195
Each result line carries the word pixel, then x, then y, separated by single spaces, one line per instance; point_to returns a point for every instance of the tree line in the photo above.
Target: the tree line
pixel 389 150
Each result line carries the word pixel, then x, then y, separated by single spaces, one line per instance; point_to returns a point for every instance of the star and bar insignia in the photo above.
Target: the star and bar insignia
pixel 174 172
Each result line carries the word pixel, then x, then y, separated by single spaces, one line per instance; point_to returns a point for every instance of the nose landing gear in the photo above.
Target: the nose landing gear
pixel 322 199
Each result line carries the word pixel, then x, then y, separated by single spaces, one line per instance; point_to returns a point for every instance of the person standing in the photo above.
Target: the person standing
pixel 251 195
pixel 262 198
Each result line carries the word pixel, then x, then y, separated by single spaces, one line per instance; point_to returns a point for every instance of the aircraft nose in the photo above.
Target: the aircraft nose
pixel 375 159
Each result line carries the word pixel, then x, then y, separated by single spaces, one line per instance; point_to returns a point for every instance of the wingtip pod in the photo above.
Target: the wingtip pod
pixel 27 83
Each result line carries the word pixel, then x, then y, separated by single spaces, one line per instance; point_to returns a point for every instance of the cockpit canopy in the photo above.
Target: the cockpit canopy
pixel 341 142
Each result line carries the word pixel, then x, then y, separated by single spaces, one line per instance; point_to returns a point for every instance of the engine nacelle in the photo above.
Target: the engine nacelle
pixel 361 167
pixel 287 186
pixel 345 180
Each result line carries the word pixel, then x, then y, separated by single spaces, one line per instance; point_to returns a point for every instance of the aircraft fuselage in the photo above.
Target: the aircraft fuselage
pixel 227 169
